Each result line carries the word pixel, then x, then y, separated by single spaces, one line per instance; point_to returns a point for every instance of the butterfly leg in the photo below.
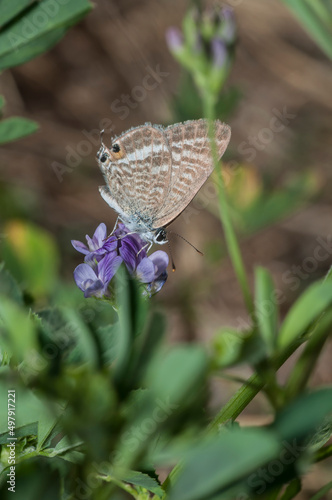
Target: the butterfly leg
pixel 116 223
pixel 149 245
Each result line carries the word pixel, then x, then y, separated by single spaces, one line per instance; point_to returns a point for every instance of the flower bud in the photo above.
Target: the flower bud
pixel 174 39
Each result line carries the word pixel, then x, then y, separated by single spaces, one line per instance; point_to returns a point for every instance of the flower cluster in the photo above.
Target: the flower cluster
pixel 104 255
pixel 205 45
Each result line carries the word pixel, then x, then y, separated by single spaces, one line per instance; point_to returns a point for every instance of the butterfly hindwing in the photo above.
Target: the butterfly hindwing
pixel 191 164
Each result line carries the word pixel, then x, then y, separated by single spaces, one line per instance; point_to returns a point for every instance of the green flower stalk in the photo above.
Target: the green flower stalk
pixel 205 47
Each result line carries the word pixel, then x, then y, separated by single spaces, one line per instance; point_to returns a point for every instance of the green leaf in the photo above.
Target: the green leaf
pixel 65 444
pixel 31 256
pixel 231 347
pixel 221 461
pixel 322 435
pixel 108 337
pixel 15 128
pixel 132 310
pixel 322 492
pixel 86 348
pixel 293 488
pixel 316 19
pixel 303 416
pixel 173 375
pixel 29 409
pixel 305 311
pixel 11 8
pixel 9 287
pixel 266 308
pixel 306 363
pixel 144 481
pixel 18 333
pixel 38 30
pixel 145 348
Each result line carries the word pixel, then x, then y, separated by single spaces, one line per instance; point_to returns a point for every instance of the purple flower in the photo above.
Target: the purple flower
pixel 219 52
pixel 104 256
pixel 132 249
pixel 174 39
pixel 98 245
pixel 152 267
pixel 228 30
pixel 95 281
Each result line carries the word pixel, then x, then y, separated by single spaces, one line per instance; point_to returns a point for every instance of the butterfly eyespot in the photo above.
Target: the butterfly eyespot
pixel 103 158
pixel 117 151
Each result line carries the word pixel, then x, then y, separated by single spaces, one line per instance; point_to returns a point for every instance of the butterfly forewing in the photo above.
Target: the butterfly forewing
pixel 141 177
pixel 191 164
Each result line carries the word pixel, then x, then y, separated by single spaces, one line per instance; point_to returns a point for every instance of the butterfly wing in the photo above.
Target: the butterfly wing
pixel 192 164
pixel 138 176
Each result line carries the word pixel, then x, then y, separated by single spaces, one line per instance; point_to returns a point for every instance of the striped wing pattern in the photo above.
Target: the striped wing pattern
pixel 191 164
pixel 161 170
pixel 141 178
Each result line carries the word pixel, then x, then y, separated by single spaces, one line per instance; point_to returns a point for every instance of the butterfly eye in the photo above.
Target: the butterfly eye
pixel 103 158
pixel 161 235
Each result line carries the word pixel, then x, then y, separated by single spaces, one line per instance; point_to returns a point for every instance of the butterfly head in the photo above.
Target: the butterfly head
pixel 106 155
pixel 160 236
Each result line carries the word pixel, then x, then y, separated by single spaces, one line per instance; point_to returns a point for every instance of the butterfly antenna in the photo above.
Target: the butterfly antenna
pixel 184 239
pixel 170 252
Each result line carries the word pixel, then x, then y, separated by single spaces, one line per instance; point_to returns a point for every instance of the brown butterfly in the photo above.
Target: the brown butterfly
pixel 153 172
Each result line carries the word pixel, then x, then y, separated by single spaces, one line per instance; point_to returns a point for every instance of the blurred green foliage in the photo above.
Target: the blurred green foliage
pixel 101 402
pixel 316 17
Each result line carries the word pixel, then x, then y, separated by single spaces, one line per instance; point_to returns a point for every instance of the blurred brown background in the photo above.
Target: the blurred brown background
pixel 83 85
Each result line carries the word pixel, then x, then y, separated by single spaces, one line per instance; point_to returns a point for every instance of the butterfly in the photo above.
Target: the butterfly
pixel 153 172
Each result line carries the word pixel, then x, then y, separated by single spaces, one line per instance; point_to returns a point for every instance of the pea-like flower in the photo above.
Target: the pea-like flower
pixel 205 46
pixel 94 281
pixel 104 255
pixel 97 246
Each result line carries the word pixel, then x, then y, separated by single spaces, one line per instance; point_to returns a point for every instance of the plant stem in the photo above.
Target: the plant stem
pixel 230 236
pixel 247 392
pixel 306 363
pixel 238 403
pixel 323 453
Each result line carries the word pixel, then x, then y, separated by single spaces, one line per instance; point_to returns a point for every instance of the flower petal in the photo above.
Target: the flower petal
pixel 156 286
pixel 219 53
pixel 90 243
pixel 128 251
pixel 92 260
pixel 160 260
pixel 107 267
pixel 80 247
pixel 174 39
pixel 100 235
pixel 146 270
pixel 83 274
pixel 96 289
pixel 109 245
